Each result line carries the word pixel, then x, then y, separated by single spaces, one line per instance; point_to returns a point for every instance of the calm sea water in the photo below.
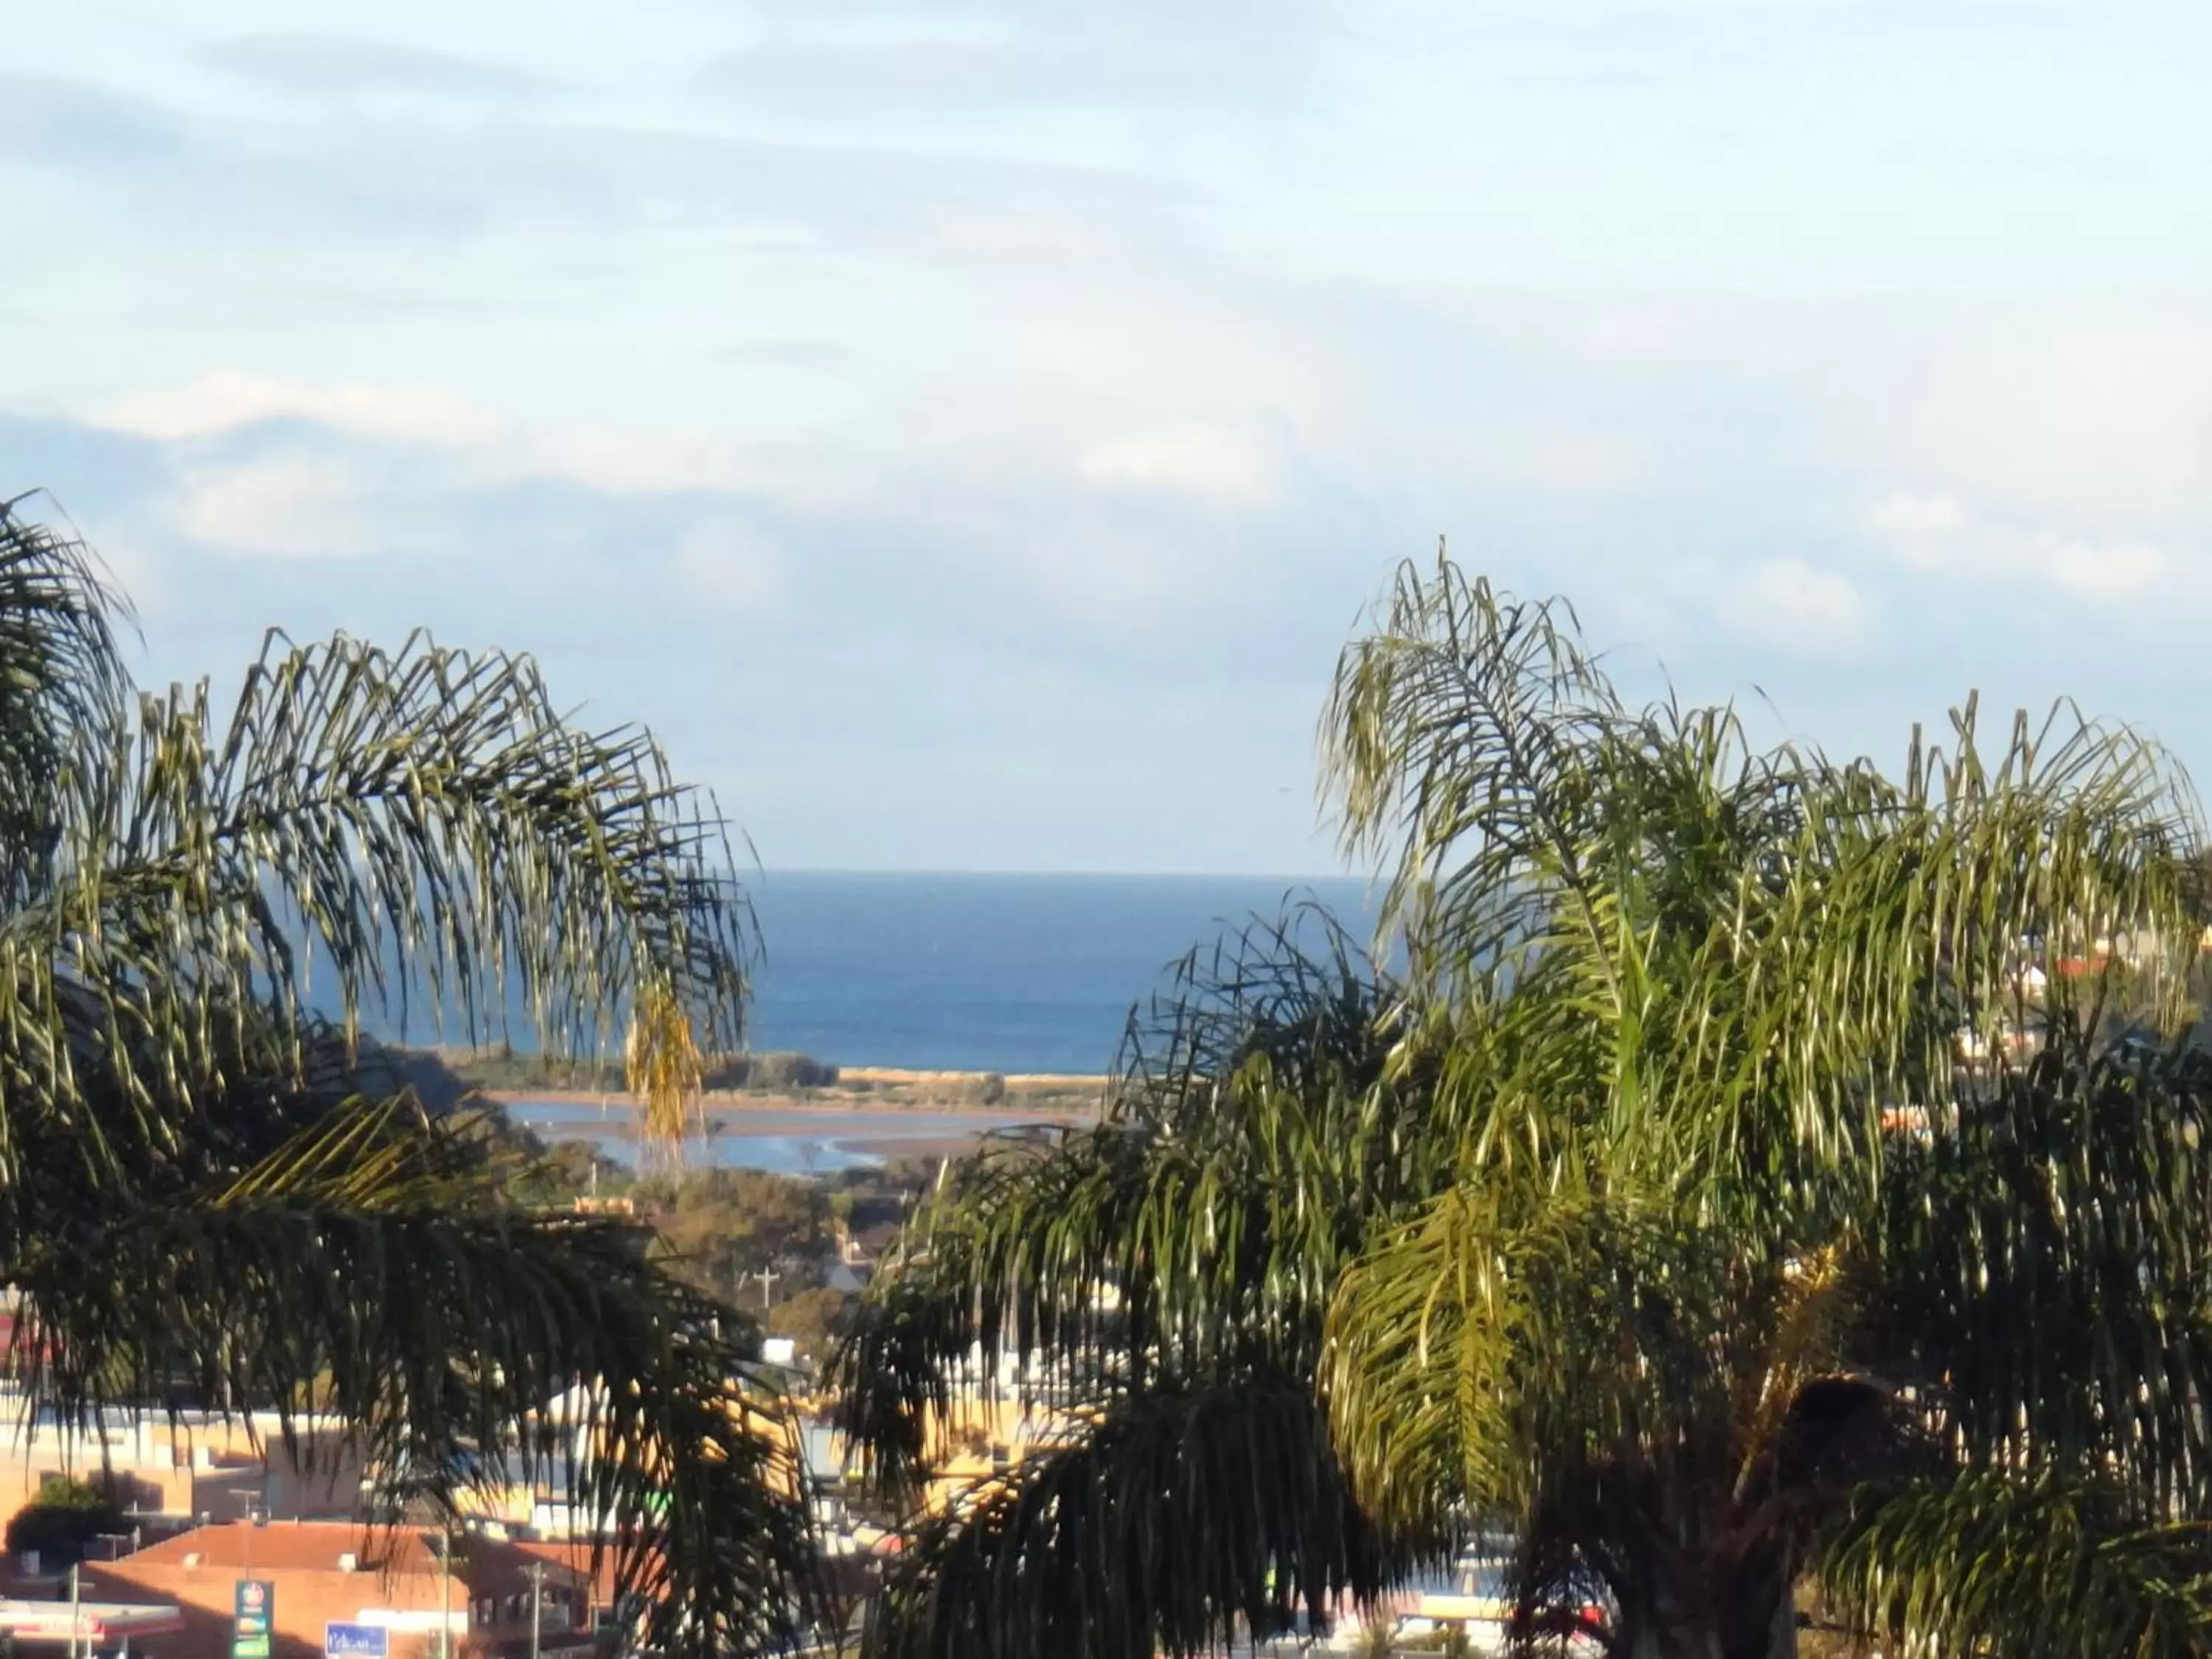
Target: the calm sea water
pixel 988 972
pixel 956 973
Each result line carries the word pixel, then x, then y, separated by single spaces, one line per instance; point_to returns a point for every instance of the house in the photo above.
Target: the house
pixel 188 1466
pixel 618 1204
pixel 549 1496
pixel 474 1605
pixel 862 1247
pixel 84 1625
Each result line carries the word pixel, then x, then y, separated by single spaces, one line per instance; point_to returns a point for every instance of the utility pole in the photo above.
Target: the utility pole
pixel 76 1605
pixel 446 1592
pixel 536 1602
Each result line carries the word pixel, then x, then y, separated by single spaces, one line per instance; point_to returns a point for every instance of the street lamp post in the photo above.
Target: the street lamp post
pixel 446 1593
pixel 536 1602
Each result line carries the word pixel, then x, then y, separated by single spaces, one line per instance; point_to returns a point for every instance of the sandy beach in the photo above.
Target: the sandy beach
pixel 1047 1095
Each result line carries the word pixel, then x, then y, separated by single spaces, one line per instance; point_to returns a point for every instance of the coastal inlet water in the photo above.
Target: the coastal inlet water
pixel 990 973
pixel 798 1142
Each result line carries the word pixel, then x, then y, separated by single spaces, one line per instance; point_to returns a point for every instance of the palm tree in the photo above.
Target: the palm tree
pixel 206 1184
pixel 1161 1277
pixel 1692 1210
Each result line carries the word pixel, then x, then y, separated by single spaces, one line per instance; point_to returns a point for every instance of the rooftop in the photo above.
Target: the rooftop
pixel 489 1566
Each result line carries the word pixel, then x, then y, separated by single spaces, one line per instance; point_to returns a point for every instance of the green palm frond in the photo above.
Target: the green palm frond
pixel 367 1257
pixel 366 823
pixel 60 676
pixel 1685 1192
pixel 1178 1519
pixel 1254 1129
pixel 1474 1354
pixel 205 1181
pixel 1736 959
pixel 2043 1269
pixel 2011 1566
pixel 1468 727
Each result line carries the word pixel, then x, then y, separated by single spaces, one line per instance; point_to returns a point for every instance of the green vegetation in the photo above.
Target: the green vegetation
pixel 506 1070
pixel 205 1187
pixel 1712 1204
pixel 814 1319
pixel 725 1227
pixel 763 1243
pixel 442 1076
pixel 63 1520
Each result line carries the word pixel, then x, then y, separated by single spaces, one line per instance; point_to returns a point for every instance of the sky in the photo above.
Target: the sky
pixel 967 432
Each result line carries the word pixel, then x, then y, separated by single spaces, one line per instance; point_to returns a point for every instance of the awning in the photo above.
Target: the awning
pixel 93 1623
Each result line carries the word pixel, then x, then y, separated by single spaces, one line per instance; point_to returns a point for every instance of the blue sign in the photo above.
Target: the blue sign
pixel 356 1642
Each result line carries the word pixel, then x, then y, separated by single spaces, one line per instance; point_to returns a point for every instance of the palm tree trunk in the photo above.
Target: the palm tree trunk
pixel 1773 1636
pixel 1729 1609
pixel 1756 1605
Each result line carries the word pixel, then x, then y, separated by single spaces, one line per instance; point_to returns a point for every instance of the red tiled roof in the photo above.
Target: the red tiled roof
pixel 487 1567
pixel 298 1546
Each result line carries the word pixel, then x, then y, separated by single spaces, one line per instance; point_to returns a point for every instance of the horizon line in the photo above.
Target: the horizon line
pixel 1050 875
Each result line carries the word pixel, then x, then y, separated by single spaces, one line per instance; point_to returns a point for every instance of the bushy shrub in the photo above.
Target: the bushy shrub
pixel 65 1517
pixel 769 1070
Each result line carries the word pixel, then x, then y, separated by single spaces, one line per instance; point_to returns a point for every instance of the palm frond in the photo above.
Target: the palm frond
pixel 1686 1182
pixel 1177 1520
pixel 2043 1269
pixel 662 1064
pixel 2005 1565
pixel 1467 726
pixel 365 1265
pixel 1257 1125
pixel 365 824
pixel 60 675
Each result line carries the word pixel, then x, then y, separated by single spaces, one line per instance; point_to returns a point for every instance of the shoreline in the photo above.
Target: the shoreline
pixel 835 1100
pixel 876 1138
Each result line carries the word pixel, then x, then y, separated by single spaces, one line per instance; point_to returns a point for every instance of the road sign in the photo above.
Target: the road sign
pixel 254 1605
pixel 356 1642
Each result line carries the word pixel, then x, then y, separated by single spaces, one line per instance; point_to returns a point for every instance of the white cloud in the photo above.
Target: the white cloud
pixel 322 66
pixel 288 508
pixel 1942 536
pixel 1912 523
pixel 645 461
pixel 226 401
pixel 1787 603
pixel 1576 462
pixel 1217 462
pixel 2065 418
pixel 732 569
pixel 2109 569
pixel 474 445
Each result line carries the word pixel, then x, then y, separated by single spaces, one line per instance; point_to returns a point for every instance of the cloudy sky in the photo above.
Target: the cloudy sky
pixel 967 430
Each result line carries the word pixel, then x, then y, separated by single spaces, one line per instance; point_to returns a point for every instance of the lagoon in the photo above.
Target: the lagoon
pixel 784 1140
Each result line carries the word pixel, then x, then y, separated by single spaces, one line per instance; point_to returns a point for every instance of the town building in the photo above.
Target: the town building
pixel 396 1581
pixel 182 1467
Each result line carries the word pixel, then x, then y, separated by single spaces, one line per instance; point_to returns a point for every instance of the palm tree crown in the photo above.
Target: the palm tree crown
pixel 207 1183
pixel 1754 1177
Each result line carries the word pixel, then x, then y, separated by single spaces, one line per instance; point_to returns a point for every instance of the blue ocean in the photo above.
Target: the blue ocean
pixel 1003 973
